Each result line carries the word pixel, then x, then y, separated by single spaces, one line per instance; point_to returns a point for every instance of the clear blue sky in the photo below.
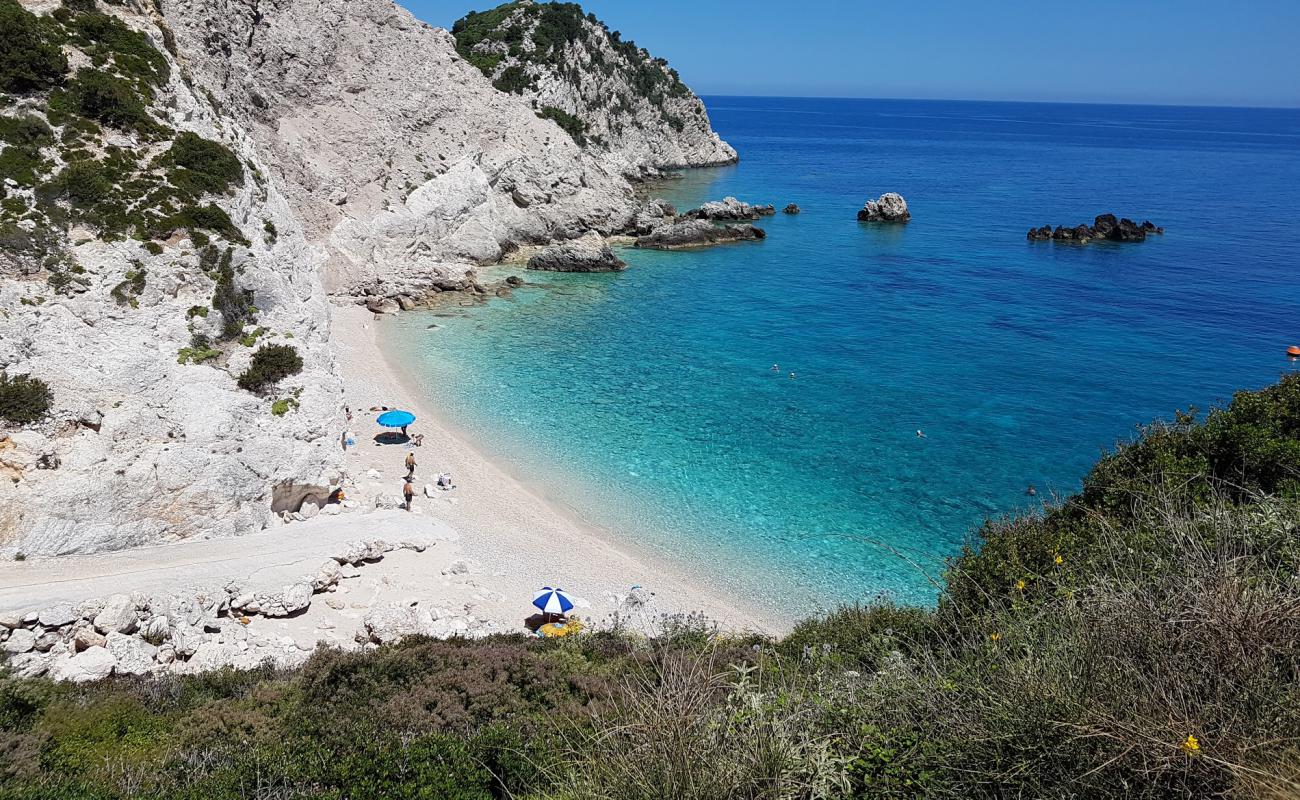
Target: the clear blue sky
pixel 1162 51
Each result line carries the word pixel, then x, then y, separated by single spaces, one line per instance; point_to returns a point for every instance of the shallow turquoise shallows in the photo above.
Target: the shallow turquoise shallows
pixel 647 399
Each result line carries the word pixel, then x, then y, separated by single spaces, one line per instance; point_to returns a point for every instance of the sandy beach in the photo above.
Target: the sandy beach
pixel 514 539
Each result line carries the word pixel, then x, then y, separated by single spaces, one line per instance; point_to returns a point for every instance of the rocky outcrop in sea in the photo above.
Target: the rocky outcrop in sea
pixel 593 86
pixel 791 209
pixel 589 253
pixel 683 234
pixel 889 207
pixel 729 209
pixel 1104 227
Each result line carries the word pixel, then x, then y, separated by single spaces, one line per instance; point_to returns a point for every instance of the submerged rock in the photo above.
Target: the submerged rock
pixel 589 253
pixel 889 207
pixel 729 209
pixel 688 233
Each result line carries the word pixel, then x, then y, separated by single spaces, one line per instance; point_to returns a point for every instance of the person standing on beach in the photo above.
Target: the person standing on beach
pixel 408 492
pixel 410 466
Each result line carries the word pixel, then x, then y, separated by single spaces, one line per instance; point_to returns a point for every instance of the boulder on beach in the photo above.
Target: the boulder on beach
pixel 689 233
pixel 589 253
pixel 729 209
pixel 889 207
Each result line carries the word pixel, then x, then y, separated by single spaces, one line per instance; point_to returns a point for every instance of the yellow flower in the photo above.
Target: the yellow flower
pixel 1191 746
pixel 1020 585
pixel 1059 561
pixel 995 636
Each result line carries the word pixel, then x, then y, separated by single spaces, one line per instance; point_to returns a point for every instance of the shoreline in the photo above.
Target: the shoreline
pixel 507 524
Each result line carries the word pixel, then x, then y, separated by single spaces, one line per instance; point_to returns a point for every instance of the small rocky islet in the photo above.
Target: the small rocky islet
pixel 1104 227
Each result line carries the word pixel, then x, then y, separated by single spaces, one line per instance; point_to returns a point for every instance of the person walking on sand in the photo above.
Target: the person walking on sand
pixel 408 492
pixel 410 466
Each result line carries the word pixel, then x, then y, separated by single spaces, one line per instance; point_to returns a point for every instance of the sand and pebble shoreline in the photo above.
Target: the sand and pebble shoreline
pixel 463 562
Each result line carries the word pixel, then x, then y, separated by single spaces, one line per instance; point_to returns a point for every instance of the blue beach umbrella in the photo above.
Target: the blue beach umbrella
pixel 395 419
pixel 552 601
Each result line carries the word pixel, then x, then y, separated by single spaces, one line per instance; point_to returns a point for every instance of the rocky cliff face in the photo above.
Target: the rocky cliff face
pixel 402 160
pixel 185 183
pixel 611 96
pixel 144 257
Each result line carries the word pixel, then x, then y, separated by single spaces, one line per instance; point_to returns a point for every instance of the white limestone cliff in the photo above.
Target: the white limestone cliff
pixel 401 159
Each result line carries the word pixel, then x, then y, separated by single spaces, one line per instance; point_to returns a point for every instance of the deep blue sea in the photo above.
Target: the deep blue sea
pixel 646 399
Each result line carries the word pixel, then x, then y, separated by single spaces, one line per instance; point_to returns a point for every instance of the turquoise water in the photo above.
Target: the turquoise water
pixel 646 399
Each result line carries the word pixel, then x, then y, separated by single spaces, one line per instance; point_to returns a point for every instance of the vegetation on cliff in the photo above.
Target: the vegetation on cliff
pixel 517 43
pixel 66 164
pixel 1140 640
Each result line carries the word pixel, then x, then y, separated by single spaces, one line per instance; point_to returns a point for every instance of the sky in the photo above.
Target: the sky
pixel 1182 52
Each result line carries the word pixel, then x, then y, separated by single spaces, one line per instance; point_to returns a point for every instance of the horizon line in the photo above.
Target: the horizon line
pixel 975 100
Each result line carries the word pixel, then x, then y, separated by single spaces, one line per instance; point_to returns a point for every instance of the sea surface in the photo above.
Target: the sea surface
pixel 648 401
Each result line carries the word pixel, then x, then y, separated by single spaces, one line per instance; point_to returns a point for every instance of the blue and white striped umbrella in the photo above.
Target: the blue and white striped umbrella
pixel 552 601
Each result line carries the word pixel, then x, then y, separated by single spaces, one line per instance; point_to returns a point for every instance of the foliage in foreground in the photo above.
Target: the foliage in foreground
pixel 1141 640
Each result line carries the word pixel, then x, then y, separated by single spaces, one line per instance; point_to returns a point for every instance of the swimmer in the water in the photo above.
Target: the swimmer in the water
pixel 1031 491
pixel 920 434
pixel 791 376
pixel 776 367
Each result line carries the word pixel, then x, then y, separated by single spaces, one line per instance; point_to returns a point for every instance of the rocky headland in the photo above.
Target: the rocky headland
pixel 889 207
pixel 1104 227
pixel 613 98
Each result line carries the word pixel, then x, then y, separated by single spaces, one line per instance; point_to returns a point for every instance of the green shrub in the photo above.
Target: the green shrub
pixel 23 399
pixel 109 99
pixel 85 183
pixel 234 303
pixel 23 137
pixel 513 80
pixel 29 60
pixel 127 292
pixel 133 56
pixel 203 166
pixel 572 125
pixel 271 364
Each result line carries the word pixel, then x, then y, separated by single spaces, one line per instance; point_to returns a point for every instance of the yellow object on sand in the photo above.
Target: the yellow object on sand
pixel 554 630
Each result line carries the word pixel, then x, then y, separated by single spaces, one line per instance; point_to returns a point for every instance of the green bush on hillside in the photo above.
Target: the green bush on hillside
pixel 271 364
pixel 23 399
pixel 203 166
pixel 29 61
pixel 108 99
pixel 572 125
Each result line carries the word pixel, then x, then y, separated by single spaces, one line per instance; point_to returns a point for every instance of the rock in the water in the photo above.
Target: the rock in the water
pixel 890 207
pixel 56 616
pixel 94 664
pixel 688 233
pixel 514 281
pixel 791 209
pixel 133 656
pixel 118 615
pixel 1104 226
pixel 729 209
pixel 652 214
pixel 19 641
pixel 589 253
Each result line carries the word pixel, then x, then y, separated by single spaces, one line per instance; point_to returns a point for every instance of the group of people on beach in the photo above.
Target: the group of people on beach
pixel 408 483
